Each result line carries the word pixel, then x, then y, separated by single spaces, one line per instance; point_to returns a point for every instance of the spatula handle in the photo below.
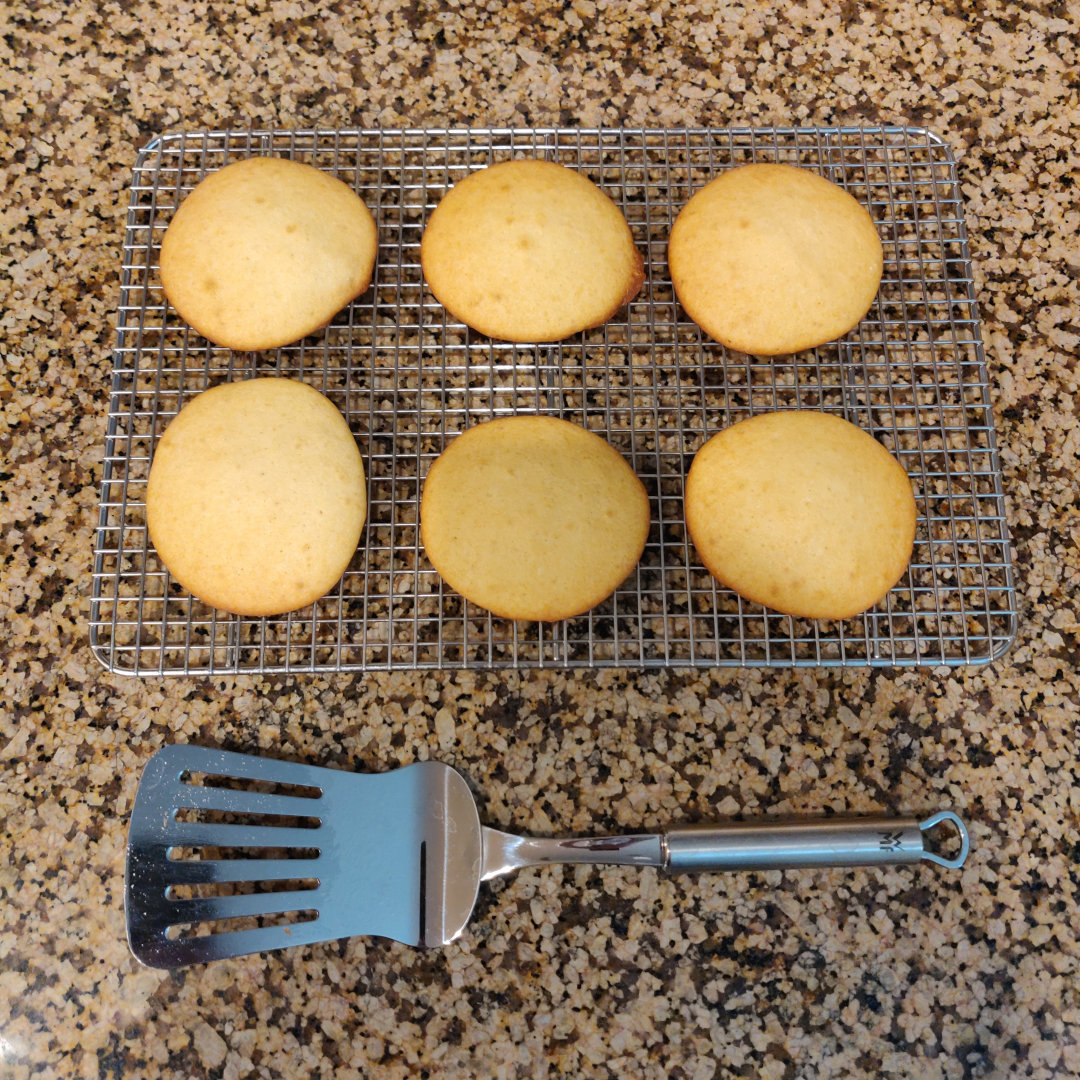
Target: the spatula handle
pixel 760 845
pixel 786 845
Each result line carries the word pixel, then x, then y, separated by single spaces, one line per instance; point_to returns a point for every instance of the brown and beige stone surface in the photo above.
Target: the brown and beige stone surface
pixel 910 972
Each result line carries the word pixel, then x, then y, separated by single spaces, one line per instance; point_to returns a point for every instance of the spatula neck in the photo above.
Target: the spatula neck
pixel 504 853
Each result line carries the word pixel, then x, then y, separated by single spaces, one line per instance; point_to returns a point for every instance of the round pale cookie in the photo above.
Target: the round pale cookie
pixel 530 250
pixel 265 251
pixel 771 259
pixel 802 512
pixel 256 496
pixel 532 517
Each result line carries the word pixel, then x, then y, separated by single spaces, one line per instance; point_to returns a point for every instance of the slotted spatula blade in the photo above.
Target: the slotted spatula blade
pixel 393 854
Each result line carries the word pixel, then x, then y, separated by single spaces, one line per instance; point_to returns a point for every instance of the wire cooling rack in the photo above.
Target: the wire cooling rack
pixel 408 378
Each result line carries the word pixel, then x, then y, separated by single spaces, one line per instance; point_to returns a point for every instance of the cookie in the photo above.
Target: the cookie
pixel 256 496
pixel 265 251
pixel 532 517
pixel 803 512
pixel 771 259
pixel 529 250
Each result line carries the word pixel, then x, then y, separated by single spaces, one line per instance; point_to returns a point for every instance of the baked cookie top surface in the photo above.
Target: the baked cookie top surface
pixel 533 517
pixel 265 251
pixel 530 250
pixel 770 259
pixel 803 512
pixel 256 497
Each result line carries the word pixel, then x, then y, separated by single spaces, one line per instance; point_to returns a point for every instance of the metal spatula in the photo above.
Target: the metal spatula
pixel 399 854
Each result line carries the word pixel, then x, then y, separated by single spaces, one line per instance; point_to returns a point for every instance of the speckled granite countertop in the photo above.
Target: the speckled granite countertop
pixel 898 972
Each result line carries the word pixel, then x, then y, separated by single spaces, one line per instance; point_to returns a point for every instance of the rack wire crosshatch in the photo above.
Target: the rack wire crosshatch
pixel 407 379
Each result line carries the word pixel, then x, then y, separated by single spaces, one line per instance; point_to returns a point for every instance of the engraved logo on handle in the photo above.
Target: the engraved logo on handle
pixel 890 841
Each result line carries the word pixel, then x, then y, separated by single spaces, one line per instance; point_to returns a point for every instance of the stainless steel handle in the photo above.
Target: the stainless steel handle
pixel 763 845
pixel 787 845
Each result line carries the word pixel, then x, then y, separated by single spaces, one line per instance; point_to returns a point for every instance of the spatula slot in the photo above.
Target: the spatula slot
pixel 193 814
pixel 249 783
pixel 280 920
pixel 216 854
pixel 200 890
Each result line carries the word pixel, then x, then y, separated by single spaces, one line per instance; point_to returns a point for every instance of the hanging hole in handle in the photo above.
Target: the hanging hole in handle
pixel 965 841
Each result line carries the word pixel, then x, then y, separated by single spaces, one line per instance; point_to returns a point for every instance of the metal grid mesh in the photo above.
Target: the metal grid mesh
pixel 408 379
